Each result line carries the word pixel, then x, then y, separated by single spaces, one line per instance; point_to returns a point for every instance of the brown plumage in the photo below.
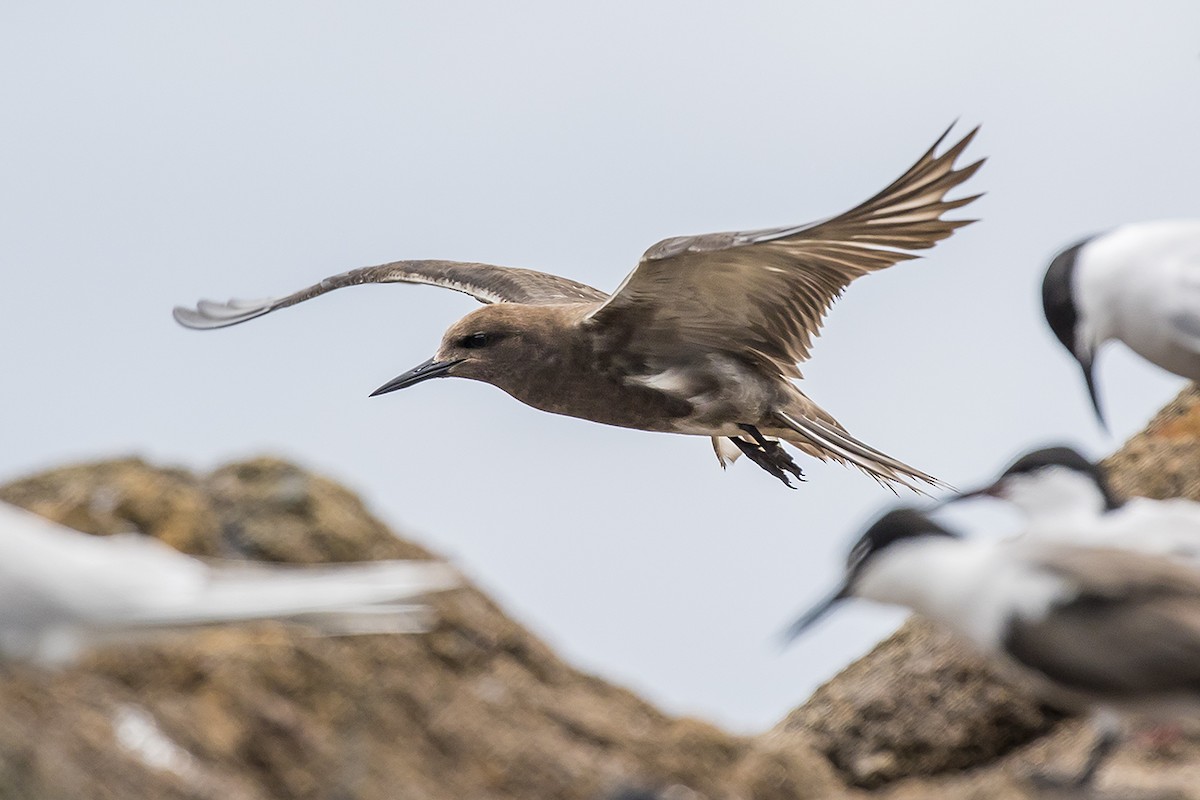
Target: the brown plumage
pixel 703 337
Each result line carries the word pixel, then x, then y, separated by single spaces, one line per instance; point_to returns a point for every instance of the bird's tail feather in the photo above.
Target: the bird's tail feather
pixel 396 618
pixel 832 441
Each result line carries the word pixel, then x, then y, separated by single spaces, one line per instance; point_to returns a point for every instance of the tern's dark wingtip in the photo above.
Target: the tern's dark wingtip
pixel 961 144
pixel 946 132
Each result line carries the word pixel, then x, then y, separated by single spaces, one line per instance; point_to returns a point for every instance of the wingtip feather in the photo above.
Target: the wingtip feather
pixel 209 314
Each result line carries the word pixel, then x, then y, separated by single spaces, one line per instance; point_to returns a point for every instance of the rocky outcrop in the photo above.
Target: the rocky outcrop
pixel 921 703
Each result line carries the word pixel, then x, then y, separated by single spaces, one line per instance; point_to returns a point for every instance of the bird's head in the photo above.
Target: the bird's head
pixel 1061 305
pixel 891 531
pixel 1051 481
pixel 491 344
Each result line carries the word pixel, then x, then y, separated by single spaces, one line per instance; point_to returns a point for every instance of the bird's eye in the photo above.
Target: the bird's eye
pixel 476 340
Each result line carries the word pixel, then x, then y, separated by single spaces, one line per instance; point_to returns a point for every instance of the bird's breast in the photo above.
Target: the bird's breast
pixel 601 397
pixel 656 386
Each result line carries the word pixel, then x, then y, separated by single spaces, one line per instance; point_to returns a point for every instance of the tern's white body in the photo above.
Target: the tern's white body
pixel 62 590
pixel 1140 284
pixel 973 587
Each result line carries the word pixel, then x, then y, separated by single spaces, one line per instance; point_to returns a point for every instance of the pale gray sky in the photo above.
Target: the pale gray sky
pixel 157 153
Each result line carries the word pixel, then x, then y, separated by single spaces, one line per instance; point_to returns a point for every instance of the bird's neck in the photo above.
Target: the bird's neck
pixel 1058 496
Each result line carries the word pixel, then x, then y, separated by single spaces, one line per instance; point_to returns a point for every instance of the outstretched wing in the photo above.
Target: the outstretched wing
pixel 485 282
pixel 768 290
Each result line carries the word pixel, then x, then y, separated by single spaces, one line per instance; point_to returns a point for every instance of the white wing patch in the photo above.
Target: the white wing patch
pixel 676 381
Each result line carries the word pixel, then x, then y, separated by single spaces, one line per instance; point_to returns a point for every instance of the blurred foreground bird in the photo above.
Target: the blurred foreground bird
pixel 63 591
pixel 1139 284
pixel 1111 631
pixel 703 337
pixel 1066 498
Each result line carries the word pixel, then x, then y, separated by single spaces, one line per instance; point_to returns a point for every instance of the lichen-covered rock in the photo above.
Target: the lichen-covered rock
pixel 121 496
pixel 920 703
pixel 1163 460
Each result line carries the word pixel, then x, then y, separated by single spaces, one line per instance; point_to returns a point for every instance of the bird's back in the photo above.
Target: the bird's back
pixel 1140 283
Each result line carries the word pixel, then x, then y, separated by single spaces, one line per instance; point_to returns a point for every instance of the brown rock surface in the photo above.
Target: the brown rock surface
pixel 920 703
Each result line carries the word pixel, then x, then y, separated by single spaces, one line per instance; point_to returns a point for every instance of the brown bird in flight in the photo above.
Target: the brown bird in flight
pixel 704 337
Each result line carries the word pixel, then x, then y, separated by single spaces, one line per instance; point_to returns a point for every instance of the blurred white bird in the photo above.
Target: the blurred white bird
pixel 63 591
pixel 1066 498
pixel 1108 630
pixel 1138 283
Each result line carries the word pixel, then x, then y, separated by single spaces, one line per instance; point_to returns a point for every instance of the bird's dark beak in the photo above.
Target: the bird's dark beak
pixel 1086 364
pixel 421 372
pixel 810 617
pixel 991 490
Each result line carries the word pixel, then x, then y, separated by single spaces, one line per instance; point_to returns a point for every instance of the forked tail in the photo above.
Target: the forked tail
pixel 828 440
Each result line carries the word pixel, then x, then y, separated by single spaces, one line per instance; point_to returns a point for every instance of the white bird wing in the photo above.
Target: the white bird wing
pixel 1184 265
pixel 61 589
pixel 57 573
pixel 485 282
pixel 237 592
pixel 765 292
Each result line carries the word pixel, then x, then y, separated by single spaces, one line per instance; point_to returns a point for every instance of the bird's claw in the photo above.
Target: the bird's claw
pixel 771 457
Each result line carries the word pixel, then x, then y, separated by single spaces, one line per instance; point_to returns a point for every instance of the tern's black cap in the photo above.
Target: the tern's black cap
pixel 894 526
pixel 1058 301
pixel 1061 456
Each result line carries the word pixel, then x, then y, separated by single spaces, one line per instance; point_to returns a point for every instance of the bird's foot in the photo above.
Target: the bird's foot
pixel 1164 741
pixel 1080 784
pixel 1058 786
pixel 772 457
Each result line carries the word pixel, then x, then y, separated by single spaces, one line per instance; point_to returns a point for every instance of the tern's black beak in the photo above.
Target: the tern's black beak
pixel 1086 364
pixel 810 617
pixel 991 490
pixel 421 372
